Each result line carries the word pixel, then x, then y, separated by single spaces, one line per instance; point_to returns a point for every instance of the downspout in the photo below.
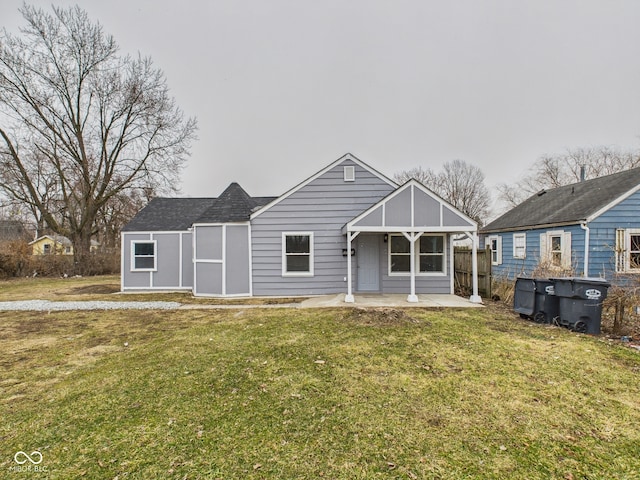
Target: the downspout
pixel 585 270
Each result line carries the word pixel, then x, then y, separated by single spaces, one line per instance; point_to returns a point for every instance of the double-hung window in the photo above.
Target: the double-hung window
pixel 297 254
pixel 628 250
pixel 495 247
pixel 555 249
pixel 519 245
pixel 143 255
pixel 430 254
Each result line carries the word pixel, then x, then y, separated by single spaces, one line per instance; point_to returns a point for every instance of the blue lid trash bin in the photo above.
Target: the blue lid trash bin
pixel 580 302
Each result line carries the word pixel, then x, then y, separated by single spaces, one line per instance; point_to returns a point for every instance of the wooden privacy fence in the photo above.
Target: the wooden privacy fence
pixel 464 271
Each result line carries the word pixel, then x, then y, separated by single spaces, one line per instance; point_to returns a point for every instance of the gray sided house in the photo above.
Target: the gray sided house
pixel 590 228
pixel 347 229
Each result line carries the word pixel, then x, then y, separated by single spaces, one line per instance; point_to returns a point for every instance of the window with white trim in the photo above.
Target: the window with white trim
pixel 555 248
pixel 143 255
pixel 495 246
pixel 349 173
pixel 519 245
pixel 628 250
pixel 297 254
pixel 430 255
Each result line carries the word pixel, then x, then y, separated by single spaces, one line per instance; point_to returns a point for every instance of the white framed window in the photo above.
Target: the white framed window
pixel 143 255
pixel 555 248
pixel 349 173
pixel 297 254
pixel 519 245
pixel 495 246
pixel 46 249
pixel 430 255
pixel 628 250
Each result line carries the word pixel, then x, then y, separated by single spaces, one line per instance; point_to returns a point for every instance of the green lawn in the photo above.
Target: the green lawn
pixel 307 394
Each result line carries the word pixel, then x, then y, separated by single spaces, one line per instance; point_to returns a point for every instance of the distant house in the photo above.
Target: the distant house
pixel 12 230
pixel 55 245
pixel 591 228
pixel 346 229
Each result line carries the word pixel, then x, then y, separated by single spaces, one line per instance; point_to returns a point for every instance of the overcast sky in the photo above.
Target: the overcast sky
pixel 281 88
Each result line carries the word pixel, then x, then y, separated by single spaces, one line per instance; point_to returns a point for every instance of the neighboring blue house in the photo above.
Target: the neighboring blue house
pixel 347 229
pixel 591 228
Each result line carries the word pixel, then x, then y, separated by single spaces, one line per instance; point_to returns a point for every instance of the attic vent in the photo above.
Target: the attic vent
pixel 350 174
pixel 541 192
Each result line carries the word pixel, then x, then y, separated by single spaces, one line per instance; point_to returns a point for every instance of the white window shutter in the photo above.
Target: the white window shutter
pixel 499 249
pixel 566 250
pixel 544 252
pixel 621 249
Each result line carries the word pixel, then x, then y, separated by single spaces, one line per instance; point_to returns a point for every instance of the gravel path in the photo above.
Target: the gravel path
pixel 46 305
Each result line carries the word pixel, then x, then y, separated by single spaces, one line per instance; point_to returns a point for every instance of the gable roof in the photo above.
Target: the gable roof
pixel 345 157
pixel 411 208
pixel 233 205
pixel 570 204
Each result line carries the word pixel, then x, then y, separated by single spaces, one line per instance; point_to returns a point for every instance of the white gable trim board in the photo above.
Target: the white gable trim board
pixel 413 211
pixel 242 258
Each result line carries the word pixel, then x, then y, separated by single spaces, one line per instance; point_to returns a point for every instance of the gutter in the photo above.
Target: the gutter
pixel 584 227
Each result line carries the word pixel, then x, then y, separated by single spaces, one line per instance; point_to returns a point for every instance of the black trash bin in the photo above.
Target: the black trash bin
pixel 580 302
pixel 524 297
pixel 547 307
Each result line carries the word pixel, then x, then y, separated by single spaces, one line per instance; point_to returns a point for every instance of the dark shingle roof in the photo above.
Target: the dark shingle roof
pixel 168 214
pixel 233 205
pixel 172 214
pixel 568 204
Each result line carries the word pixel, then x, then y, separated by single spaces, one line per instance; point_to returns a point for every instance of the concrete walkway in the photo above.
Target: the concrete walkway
pixel 389 300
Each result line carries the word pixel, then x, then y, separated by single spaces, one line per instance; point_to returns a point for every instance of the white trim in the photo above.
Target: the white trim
pixel 498 250
pixel 513 240
pixel 412 184
pixel 122 272
pixel 349 173
pixel 416 257
pixel 310 273
pixel 224 261
pixel 612 204
pixel 132 267
pixel 250 252
pixel 342 159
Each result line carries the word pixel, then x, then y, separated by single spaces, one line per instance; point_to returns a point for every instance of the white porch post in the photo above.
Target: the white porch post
pixel 412 237
pixel 475 298
pixel 349 298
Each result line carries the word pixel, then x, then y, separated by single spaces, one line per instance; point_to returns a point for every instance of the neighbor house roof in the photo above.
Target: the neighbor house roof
pixel 12 230
pixel 569 204
pixel 178 214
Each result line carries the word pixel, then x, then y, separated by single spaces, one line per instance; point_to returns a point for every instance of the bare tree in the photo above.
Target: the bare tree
pixel 80 123
pixel 460 184
pixel 572 166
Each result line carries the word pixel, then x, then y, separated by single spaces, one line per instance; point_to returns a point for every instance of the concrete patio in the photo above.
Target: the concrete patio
pixel 389 300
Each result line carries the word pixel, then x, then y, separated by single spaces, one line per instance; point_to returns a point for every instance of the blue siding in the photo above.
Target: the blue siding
pixel 511 267
pixel 602 233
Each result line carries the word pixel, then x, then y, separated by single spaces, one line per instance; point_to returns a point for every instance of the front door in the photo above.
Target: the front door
pixel 368 261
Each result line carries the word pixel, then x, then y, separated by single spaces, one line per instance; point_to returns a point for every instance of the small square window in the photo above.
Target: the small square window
pixel 350 174
pixel 143 256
